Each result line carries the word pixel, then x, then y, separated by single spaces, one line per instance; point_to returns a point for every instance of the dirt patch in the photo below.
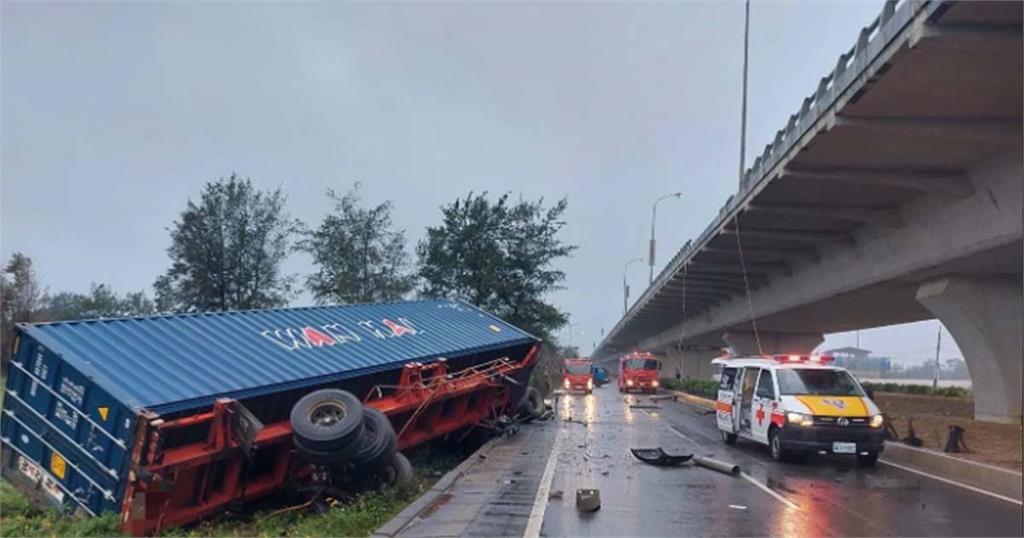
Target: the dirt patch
pixel 995 444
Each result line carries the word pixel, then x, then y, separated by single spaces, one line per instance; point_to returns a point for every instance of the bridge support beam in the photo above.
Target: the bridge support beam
pixel 743 343
pixel 689 363
pixel 984 316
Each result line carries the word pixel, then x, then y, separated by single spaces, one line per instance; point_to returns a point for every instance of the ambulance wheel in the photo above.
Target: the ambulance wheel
pixel 867 460
pixel 398 471
pixel 327 420
pixel 729 438
pixel 378 443
pixel 775 445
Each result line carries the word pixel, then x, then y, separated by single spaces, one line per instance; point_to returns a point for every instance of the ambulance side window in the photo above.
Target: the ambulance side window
pixel 728 377
pixel 765 386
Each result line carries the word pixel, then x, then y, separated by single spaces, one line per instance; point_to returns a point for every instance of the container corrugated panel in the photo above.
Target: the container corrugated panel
pixel 75 389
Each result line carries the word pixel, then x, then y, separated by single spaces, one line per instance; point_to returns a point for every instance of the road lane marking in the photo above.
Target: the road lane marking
pixel 747 477
pixel 954 482
pixel 770 491
pixel 540 502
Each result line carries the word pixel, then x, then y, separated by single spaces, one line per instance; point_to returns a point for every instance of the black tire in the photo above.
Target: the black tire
pixel 867 460
pixel 327 420
pixel 729 438
pixel 330 457
pixel 397 471
pixel 532 403
pixel 775 445
pixel 378 443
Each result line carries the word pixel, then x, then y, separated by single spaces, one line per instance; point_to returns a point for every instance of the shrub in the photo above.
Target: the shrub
pixel 704 388
pixel 947 392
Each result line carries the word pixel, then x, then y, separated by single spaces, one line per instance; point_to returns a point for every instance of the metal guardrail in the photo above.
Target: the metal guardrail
pixel 871 41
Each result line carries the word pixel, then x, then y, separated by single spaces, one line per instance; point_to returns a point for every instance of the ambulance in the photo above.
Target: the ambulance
pixel 797 405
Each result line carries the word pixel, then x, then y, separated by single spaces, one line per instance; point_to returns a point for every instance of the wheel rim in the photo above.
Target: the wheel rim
pixel 327 414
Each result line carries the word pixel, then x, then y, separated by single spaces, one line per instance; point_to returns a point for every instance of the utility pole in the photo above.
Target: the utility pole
pixel 743 114
pixel 654 215
pixel 625 285
pixel 938 347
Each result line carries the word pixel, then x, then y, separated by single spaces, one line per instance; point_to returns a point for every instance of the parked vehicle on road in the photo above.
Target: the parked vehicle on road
pixel 639 371
pixel 577 375
pixel 168 419
pixel 797 404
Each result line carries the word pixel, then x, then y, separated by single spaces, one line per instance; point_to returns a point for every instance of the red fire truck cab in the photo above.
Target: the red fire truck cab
pixel 577 375
pixel 639 371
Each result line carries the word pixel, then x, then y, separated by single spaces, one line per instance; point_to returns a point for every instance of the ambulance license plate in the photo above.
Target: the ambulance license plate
pixel 844 448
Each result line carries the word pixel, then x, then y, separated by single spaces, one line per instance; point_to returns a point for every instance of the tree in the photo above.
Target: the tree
pixel 227 249
pixel 360 259
pixel 20 299
pixel 499 256
pixel 100 302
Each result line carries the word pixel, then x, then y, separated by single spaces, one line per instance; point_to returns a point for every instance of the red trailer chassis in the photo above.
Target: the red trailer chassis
pixel 180 485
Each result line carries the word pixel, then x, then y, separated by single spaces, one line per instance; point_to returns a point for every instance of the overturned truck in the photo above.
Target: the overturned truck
pixel 168 419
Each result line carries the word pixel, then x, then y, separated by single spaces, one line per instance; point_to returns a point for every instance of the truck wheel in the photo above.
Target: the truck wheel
pixel 729 438
pixel 532 402
pixel 867 460
pixel 378 442
pixel 326 420
pixel 398 471
pixel 775 445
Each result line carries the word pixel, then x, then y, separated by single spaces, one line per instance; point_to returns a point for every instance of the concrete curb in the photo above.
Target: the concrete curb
pixel 990 478
pixel 703 402
pixel 425 501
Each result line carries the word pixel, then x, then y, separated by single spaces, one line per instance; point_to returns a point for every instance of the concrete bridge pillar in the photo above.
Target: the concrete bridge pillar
pixel 690 364
pixel 984 316
pixel 743 342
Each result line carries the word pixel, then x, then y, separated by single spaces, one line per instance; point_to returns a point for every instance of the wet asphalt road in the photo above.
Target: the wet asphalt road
pixel 527 483
pixel 823 496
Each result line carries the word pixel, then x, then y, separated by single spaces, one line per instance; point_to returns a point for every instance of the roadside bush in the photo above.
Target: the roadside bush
pixel 704 388
pixel 925 390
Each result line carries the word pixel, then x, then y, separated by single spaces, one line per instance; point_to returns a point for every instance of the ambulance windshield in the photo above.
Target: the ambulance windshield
pixel 817 382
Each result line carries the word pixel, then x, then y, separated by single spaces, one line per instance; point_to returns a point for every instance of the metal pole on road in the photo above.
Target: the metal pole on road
pixel 654 215
pixel 625 286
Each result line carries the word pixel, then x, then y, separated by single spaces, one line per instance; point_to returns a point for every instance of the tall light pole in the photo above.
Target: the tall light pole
pixel 625 286
pixel 743 114
pixel 938 349
pixel 654 215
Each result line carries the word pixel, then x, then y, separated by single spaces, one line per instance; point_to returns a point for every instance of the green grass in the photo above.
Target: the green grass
pixel 947 392
pixel 357 517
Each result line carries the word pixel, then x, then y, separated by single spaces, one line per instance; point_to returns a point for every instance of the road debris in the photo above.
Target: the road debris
pixel 661 397
pixel 588 500
pixel 657 456
pixel 557 494
pixel 716 465
pixel 644 406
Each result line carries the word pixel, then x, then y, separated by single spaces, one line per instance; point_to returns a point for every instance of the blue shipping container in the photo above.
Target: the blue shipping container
pixel 75 389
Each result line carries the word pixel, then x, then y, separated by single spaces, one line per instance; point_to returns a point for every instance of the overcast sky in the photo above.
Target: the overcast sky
pixel 114 114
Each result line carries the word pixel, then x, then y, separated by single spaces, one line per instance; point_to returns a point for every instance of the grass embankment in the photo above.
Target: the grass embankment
pixel 357 517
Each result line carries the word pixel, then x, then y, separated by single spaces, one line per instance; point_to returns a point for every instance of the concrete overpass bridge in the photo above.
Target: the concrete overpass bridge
pixel 893 195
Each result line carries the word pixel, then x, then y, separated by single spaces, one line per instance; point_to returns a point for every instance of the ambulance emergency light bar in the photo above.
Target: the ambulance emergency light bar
pixel 822 359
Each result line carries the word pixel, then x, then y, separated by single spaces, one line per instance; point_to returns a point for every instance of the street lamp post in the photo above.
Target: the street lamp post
pixel 625 286
pixel 743 113
pixel 654 214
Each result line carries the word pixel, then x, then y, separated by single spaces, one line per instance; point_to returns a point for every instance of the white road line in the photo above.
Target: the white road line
pixel 954 482
pixel 770 491
pixel 747 477
pixel 540 502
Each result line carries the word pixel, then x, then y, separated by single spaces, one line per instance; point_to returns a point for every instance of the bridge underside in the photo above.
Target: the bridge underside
pixel 911 178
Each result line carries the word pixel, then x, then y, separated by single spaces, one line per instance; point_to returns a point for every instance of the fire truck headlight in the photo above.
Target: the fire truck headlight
pixel 629 382
pixel 565 383
pixel 590 384
pixel 654 383
pixel 799 419
pixel 877 421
